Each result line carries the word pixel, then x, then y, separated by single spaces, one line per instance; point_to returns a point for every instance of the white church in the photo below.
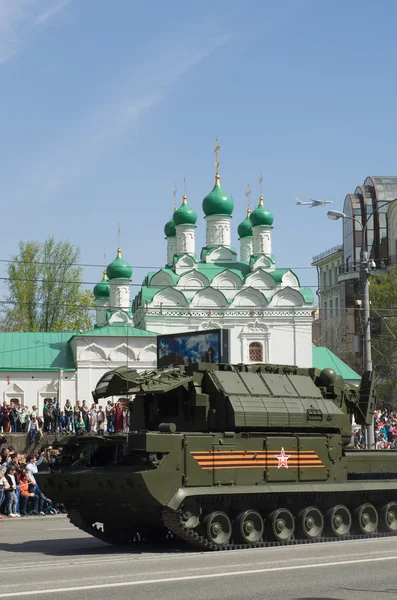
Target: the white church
pixel 267 313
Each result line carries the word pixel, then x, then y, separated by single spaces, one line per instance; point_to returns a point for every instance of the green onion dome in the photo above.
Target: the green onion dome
pixel 244 230
pixel 261 215
pixel 119 268
pixel 217 202
pixel 184 215
pixel 102 289
pixel 169 229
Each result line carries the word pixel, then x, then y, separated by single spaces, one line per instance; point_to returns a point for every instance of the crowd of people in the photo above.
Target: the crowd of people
pixel 78 419
pixel 385 427
pixel 19 493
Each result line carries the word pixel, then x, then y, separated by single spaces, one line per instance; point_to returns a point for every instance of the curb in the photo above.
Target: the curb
pixel 32 518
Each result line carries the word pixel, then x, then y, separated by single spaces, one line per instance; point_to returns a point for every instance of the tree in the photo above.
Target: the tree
pixel 383 297
pixel 45 289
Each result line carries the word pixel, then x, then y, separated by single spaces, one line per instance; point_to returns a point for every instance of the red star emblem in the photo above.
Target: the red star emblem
pixel 282 459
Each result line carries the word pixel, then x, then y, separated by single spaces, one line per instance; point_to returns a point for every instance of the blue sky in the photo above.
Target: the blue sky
pixel 105 105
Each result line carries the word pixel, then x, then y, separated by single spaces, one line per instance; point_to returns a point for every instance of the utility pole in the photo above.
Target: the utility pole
pixel 364 289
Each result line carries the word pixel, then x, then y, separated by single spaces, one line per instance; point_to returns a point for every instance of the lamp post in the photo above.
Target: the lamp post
pixel 364 267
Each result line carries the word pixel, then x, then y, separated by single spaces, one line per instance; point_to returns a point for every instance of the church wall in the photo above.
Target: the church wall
pixel 31 387
pixel 285 338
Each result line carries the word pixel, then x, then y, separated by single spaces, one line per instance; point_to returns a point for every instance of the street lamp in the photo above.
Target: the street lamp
pixel 364 267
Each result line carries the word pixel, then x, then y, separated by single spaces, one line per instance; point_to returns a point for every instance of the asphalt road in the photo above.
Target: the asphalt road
pixel 49 558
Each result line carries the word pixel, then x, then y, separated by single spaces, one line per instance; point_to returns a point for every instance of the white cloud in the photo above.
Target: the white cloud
pixel 20 18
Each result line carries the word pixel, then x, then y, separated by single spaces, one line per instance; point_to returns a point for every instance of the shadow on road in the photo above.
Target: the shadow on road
pixel 78 547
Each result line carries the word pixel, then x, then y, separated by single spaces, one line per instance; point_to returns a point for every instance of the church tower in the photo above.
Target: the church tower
pixel 119 273
pixel 101 295
pixel 185 225
pixel 262 220
pixel 218 207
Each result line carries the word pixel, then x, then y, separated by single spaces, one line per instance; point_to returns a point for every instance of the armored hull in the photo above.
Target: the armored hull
pixel 230 456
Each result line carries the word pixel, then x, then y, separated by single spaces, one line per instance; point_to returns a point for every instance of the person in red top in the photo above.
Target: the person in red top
pixel 27 497
pixel 119 418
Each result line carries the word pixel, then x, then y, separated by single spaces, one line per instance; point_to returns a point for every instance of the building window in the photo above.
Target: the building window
pixel 331 314
pixel 255 352
pixel 325 311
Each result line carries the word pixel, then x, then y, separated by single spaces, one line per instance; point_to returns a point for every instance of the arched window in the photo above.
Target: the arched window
pixel 255 352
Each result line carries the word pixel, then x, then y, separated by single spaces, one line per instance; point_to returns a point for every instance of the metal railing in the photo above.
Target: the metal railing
pixel 381 263
pixel 327 253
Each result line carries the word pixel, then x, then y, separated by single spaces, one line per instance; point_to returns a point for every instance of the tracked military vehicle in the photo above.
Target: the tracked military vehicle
pixel 230 456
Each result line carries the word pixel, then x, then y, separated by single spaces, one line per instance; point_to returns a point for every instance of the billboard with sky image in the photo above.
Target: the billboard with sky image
pixel 187 348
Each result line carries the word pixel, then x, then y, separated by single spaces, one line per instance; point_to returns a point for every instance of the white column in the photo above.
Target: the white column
pixel 218 231
pixel 246 249
pixel 101 306
pixel 119 294
pixel 171 249
pixel 262 240
pixel 185 239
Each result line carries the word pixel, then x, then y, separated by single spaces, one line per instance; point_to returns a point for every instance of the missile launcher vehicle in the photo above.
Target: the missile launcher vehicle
pixel 229 456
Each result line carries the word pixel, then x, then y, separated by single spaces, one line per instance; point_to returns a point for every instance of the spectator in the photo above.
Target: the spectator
pixel 31 466
pixel 118 413
pixel 22 420
pixel 69 413
pixel 10 485
pixel 80 426
pixel 29 502
pixel 100 421
pixel 86 417
pixel 77 412
pixel 110 416
pixel 93 418
pixel 34 430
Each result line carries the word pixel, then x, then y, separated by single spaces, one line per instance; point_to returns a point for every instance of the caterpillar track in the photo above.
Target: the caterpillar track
pixel 173 521
pixel 174 524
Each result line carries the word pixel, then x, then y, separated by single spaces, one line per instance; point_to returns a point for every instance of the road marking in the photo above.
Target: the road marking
pixel 191 577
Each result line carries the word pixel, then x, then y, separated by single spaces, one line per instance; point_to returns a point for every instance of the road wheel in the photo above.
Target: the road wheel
pixel 310 523
pixel 218 528
pixel 338 521
pixel 365 519
pixel 388 518
pixel 249 527
pixel 280 525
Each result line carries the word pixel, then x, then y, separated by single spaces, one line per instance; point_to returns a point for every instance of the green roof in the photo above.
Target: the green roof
pixel 39 351
pixel 210 270
pixel 117 331
pixel 323 358
pixel 307 294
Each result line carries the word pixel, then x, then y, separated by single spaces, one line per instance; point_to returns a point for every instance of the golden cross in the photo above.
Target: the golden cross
pixel 118 236
pixel 216 150
pixel 175 193
pixel 248 193
pixel 184 185
pixel 260 184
